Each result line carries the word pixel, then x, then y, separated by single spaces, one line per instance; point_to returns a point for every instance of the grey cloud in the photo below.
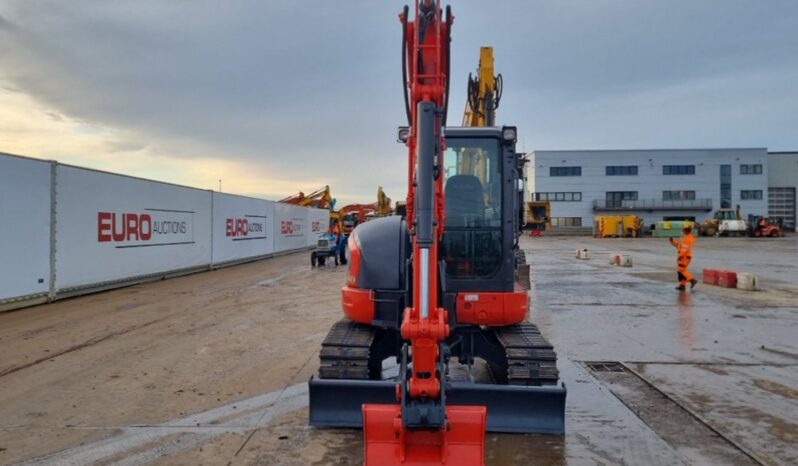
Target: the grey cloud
pixel 312 89
pixel 124 146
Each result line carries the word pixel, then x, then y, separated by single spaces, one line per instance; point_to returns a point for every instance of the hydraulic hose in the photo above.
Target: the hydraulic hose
pixel 498 86
pixel 405 12
pixel 448 41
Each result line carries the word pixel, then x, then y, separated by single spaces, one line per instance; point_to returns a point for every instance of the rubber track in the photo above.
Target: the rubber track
pixel 531 359
pixel 345 351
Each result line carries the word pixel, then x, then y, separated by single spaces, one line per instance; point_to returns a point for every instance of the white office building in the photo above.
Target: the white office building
pixel 662 184
pixel 782 187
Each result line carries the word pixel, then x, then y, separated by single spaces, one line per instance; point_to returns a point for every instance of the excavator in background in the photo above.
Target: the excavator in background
pixel 332 244
pixel 352 215
pixel 439 288
pixel 320 199
pixel 383 203
pixel 484 93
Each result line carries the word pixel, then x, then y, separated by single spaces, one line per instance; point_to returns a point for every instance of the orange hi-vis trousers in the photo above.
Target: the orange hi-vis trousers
pixel 682 271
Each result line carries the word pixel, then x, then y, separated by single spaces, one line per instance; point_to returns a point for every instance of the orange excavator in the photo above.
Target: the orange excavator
pixel 438 289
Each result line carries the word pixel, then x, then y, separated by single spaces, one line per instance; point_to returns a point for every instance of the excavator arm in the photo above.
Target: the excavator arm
pixel 421 428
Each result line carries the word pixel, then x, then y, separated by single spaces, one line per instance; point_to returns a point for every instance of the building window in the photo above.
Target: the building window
pixel 616 198
pixel 751 195
pixel 678 195
pixel 678 169
pixel 565 197
pixel 725 187
pixel 566 221
pixel 565 171
pixel 621 170
pixel 755 169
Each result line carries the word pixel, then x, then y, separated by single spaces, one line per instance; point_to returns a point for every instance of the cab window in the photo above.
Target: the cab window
pixel 473 187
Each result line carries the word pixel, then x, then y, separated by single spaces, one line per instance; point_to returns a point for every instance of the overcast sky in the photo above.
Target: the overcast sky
pixel 278 96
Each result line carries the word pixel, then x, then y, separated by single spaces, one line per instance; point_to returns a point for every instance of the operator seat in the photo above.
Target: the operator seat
pixel 465 201
pixel 465 207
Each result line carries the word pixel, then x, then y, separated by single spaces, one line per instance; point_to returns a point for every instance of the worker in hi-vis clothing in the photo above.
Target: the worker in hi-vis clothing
pixel 685 248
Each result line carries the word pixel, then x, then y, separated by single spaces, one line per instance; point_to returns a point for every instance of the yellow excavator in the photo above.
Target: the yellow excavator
pixel 383 203
pixel 320 198
pixel 483 97
pixel 484 92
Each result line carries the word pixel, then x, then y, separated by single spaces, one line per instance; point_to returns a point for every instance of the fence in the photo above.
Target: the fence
pixel 67 230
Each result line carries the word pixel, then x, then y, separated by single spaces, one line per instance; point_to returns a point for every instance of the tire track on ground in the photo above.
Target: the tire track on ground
pixel 80 346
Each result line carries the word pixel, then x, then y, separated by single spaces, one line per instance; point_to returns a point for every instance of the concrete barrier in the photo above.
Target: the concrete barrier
pixel 621 260
pixel 710 276
pixel 747 281
pixel 727 278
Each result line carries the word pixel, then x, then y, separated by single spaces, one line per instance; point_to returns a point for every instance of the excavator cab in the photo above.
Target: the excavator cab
pixel 480 170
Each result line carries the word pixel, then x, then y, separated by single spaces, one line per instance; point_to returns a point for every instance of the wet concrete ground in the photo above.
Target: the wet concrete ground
pixel 210 369
pixel 728 358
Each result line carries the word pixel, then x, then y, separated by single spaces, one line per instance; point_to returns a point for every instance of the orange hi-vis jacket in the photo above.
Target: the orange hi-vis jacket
pixel 685 245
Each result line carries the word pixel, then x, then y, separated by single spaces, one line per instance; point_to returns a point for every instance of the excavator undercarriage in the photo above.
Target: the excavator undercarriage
pixel 520 386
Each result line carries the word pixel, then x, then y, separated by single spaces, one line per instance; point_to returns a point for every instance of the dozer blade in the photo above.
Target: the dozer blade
pixel 511 408
pixel 387 443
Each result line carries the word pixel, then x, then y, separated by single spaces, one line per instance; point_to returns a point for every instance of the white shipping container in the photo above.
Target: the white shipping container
pixel 25 207
pixel 319 221
pixel 243 227
pixel 112 227
pixel 290 227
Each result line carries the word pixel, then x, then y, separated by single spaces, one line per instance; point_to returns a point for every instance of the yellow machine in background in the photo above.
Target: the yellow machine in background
pixel 538 217
pixel 383 203
pixel 348 216
pixel 484 94
pixel 617 226
pixel 725 222
pixel 320 198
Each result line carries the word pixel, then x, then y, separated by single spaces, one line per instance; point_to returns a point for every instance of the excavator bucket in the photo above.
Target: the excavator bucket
pixel 511 408
pixel 388 443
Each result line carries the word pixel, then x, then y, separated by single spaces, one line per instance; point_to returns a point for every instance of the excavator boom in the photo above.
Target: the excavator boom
pixel 320 198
